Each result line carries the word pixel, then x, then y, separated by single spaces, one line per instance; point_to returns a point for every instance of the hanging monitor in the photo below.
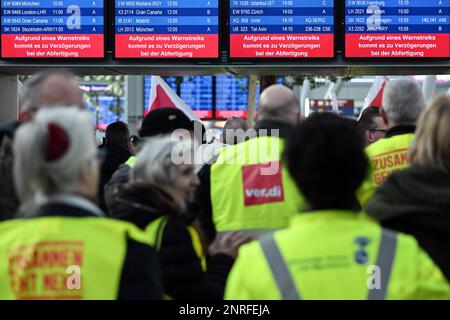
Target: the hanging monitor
pixel 167 29
pixel 397 29
pixel 47 29
pixel 289 29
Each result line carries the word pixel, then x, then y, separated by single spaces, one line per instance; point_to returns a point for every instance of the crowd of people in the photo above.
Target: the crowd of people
pixel 322 207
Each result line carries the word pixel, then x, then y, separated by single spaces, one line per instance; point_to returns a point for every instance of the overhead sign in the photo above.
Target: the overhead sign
pixel 167 29
pixel 292 29
pixel 397 29
pixel 52 29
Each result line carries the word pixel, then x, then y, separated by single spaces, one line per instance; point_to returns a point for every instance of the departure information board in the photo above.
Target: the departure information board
pixel 282 29
pixel 52 29
pixel 167 29
pixel 397 29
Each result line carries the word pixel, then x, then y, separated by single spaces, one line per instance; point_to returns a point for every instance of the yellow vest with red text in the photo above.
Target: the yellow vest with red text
pixel 250 188
pixel 386 156
pixel 61 258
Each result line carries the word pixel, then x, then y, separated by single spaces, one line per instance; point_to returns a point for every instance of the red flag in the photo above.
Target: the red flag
pixel 163 96
pixel 375 96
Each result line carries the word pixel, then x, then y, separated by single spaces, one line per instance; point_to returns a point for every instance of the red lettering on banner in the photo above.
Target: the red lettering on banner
pixel 39 270
pixel 387 163
pixel 260 188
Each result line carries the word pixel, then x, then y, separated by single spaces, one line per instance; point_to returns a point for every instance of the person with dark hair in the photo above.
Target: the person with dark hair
pixel 233 131
pixel 372 125
pixel 117 150
pixel 332 251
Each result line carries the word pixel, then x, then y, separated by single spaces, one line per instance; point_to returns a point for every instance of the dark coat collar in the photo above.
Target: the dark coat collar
pixel 398 130
pixel 284 128
pixel 69 206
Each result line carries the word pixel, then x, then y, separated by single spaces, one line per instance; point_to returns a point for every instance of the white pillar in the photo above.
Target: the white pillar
pixel 9 89
pixel 134 108
pixel 306 89
pixel 429 87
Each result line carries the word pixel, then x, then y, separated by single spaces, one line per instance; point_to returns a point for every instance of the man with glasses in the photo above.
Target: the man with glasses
pixel 372 125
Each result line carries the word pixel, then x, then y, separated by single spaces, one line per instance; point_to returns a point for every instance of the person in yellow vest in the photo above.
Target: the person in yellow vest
pixel 61 246
pixel 248 188
pixel 332 251
pixel 162 183
pixel 403 104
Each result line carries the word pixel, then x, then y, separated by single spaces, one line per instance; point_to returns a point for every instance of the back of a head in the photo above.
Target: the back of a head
pixel 234 130
pixel 403 102
pixel 118 134
pixel 156 162
pixel 164 121
pixel 51 151
pixel 326 158
pixel 51 88
pixel 367 120
pixel 278 102
pixel 431 147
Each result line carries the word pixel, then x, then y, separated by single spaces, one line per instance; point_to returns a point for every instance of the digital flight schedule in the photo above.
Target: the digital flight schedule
pixel 52 29
pixel 282 29
pixel 167 29
pixel 397 29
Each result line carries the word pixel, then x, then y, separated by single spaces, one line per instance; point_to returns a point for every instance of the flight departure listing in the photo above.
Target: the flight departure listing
pixel 167 29
pixel 282 29
pixel 397 29
pixel 52 29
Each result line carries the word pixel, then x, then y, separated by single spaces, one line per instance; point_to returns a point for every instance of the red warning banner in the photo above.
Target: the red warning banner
pixel 53 46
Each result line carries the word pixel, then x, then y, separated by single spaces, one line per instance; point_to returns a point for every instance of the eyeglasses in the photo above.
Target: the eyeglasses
pixel 379 130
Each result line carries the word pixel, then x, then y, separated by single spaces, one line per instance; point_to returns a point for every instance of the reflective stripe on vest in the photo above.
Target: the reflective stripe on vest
pixel 280 270
pixel 156 231
pixel 286 284
pixel 258 233
pixel 385 259
pixel 131 161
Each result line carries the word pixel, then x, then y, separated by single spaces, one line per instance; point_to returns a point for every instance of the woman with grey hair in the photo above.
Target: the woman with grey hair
pixel 417 200
pixel 63 241
pixel 157 197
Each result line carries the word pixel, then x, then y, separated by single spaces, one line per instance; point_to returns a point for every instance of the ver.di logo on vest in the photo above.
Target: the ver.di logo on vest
pixel 260 188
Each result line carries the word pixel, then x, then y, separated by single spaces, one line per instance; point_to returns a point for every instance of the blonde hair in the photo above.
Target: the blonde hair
pixel 431 147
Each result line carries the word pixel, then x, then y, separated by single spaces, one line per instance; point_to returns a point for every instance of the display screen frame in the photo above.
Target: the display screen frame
pixel 167 60
pixel 389 60
pixel 59 60
pixel 263 60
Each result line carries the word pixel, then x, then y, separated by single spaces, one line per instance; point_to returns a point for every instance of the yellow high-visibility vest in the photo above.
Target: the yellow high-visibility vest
pixel 386 156
pixel 250 188
pixel 64 257
pixel 335 255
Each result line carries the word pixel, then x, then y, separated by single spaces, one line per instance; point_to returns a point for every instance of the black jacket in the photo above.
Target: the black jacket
pixel 113 157
pixel 141 275
pixel 9 202
pixel 203 192
pixel 416 201
pixel 183 277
